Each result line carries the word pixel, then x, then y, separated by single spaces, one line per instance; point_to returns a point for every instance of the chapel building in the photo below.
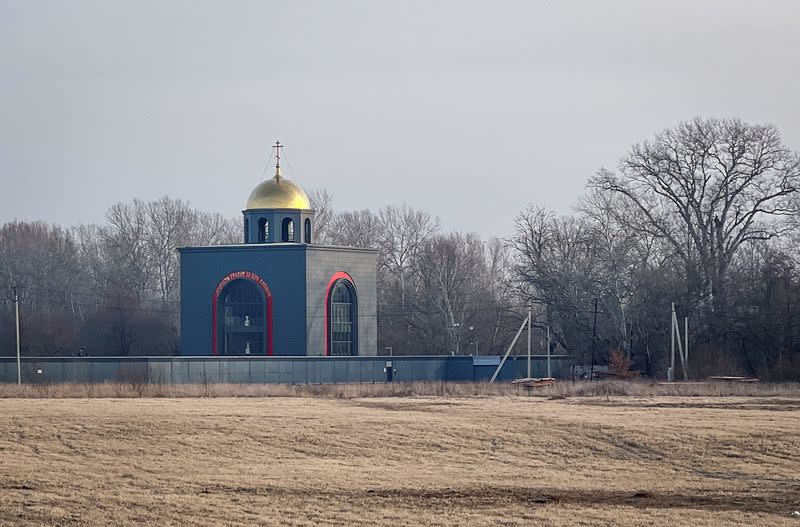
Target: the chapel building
pixel 278 293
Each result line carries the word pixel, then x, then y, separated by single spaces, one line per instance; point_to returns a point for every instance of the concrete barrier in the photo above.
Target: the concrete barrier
pixel 273 370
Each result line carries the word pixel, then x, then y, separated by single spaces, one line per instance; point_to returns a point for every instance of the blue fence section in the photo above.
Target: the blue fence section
pixel 275 370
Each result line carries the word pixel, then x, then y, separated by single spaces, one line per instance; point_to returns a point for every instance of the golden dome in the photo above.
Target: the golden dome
pixel 278 193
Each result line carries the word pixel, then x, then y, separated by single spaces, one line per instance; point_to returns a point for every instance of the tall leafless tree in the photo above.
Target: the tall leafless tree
pixel 168 226
pixel 358 228
pixel 322 202
pixel 452 269
pixel 124 237
pixel 707 187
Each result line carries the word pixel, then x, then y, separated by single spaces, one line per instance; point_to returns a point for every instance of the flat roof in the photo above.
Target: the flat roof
pixel 276 246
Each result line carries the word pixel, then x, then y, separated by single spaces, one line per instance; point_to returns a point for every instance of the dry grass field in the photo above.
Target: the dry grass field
pixel 444 460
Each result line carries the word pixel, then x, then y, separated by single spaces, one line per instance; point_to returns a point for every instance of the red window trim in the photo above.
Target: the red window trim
pixel 341 275
pixel 241 275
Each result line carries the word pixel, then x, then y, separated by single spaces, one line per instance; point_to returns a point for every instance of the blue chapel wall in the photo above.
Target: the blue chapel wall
pixel 281 267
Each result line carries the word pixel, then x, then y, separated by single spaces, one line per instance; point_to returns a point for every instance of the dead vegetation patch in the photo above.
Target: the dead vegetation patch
pixel 555 391
pixel 512 460
pixel 767 404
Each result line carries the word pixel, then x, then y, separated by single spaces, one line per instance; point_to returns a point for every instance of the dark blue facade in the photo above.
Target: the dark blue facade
pixel 281 266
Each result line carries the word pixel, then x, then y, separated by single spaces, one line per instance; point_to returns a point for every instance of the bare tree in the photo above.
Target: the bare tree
pixel 168 226
pixel 124 239
pixel 211 228
pixel 707 187
pixel 557 264
pixel 322 202
pixel 359 228
pixel 403 231
pixel 500 301
pixel 452 267
pixel 615 247
pixel 42 261
pixel 790 243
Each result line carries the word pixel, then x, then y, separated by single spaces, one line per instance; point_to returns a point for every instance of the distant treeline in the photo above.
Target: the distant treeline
pixel 705 215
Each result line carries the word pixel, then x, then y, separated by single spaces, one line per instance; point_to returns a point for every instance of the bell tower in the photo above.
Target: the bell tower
pixel 278 211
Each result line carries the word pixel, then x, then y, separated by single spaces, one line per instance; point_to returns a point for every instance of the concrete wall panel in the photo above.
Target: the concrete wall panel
pixel 160 371
pixel 322 263
pixel 284 370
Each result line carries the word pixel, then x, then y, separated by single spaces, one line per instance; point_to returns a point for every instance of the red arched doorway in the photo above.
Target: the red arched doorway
pixel 242 315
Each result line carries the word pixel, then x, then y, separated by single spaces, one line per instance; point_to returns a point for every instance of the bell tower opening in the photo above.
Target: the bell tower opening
pixel 263 230
pixel 287 230
pixel 281 202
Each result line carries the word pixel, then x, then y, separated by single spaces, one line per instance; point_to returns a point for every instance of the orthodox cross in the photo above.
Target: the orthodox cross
pixel 277 146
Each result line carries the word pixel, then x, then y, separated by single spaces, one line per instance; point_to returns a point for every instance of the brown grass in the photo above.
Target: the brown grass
pixel 407 389
pixel 490 460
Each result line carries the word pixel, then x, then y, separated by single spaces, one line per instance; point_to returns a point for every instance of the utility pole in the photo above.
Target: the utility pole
pixel 508 351
pixel 474 340
pixel 672 341
pixel 15 299
pixel 683 352
pixel 594 337
pixel 529 341
pixel 686 346
pixel 549 373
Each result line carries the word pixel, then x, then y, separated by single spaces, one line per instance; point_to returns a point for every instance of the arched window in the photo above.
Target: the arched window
pixel 242 324
pixel 246 229
pixel 342 312
pixel 308 230
pixel 287 230
pixel 263 230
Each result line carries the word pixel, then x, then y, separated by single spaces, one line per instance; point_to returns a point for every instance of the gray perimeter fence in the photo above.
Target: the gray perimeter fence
pixel 275 370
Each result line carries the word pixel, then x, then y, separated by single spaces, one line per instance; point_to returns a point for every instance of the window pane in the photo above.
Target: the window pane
pixel 342 310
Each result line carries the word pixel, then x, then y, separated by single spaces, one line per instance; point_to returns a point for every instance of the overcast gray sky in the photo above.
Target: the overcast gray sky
pixel 470 110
